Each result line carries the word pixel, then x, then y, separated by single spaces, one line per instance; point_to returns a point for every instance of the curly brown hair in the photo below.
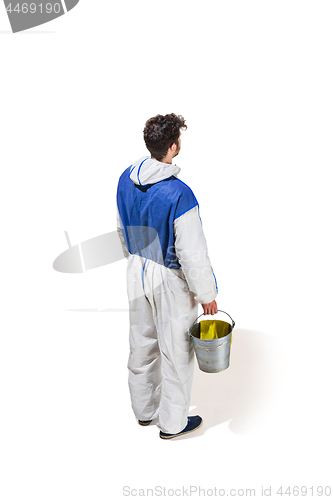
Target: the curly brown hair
pixel 161 132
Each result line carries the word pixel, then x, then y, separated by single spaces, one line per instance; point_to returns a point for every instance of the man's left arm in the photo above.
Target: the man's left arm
pixel 121 236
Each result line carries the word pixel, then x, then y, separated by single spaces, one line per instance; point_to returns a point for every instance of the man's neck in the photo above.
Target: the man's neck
pixel 167 159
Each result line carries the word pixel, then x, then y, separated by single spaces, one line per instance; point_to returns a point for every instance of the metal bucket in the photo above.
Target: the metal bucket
pixel 213 355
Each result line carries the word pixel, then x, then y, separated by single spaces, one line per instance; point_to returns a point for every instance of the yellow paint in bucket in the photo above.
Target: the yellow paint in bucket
pixel 214 329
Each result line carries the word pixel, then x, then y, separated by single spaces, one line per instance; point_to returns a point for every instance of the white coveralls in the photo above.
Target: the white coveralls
pixel 168 274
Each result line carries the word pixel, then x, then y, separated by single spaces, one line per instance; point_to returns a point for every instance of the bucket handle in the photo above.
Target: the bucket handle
pixel 219 310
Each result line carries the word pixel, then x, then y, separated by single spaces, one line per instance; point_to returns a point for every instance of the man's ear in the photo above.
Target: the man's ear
pixel 173 147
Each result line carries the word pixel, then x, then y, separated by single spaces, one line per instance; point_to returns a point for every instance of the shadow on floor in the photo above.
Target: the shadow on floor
pixel 244 393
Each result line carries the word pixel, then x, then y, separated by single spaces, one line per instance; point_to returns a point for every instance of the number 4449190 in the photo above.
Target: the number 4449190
pixel 34 8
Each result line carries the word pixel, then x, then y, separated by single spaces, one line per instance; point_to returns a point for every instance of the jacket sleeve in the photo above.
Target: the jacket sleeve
pixel 192 253
pixel 121 236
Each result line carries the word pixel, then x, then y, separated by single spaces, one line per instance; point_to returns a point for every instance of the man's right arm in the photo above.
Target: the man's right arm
pixel 192 253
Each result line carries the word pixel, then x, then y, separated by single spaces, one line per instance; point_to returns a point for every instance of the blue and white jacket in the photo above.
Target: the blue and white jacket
pixel 158 218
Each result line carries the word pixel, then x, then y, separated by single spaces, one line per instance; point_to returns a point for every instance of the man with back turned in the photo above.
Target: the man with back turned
pixel 168 274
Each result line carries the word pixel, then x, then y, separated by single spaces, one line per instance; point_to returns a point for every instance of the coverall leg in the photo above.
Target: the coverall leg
pixel 161 361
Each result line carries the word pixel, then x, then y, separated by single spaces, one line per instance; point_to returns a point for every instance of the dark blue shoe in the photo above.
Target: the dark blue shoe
pixel 192 424
pixel 144 422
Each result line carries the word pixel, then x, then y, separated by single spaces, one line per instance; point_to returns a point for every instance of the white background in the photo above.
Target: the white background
pixel 254 81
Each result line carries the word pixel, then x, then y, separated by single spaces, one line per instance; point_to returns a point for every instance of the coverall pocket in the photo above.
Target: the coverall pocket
pixel 177 284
